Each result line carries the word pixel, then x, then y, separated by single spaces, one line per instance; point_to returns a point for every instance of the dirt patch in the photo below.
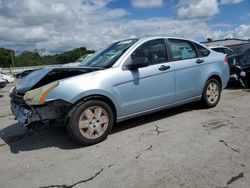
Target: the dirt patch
pixel 216 124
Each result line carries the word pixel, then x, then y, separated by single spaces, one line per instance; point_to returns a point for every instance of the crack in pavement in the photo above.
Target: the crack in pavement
pixel 79 182
pixel 157 130
pixel 234 178
pixel 226 144
pixel 149 148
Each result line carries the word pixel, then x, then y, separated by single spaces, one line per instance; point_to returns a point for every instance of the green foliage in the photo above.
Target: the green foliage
pixel 33 58
pixel 72 55
pixel 5 57
pixel 28 58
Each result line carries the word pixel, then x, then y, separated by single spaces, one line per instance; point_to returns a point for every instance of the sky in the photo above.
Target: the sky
pixel 60 25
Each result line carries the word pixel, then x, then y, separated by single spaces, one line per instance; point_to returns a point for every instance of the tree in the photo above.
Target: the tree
pixel 28 58
pixel 36 57
pixel 73 55
pixel 5 57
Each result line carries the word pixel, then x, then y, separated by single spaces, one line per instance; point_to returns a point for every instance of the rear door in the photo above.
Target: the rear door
pixel 188 69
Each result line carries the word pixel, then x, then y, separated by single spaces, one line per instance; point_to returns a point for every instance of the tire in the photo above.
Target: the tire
pixel 90 122
pixel 211 93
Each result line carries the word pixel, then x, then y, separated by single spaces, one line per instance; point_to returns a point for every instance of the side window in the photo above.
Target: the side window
pixel 203 51
pixel 154 51
pixel 182 49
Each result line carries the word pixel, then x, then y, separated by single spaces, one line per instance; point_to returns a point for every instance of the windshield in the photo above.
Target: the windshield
pixel 109 55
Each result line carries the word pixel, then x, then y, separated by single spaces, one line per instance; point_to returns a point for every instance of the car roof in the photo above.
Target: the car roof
pixel 162 36
pixel 219 47
pixel 152 37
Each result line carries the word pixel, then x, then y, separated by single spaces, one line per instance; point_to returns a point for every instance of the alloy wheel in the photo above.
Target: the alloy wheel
pixel 93 122
pixel 212 92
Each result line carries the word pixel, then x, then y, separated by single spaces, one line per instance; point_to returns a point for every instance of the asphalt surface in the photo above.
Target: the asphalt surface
pixel 182 147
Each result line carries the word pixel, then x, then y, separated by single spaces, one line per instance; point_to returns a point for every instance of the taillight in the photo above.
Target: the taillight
pixel 226 60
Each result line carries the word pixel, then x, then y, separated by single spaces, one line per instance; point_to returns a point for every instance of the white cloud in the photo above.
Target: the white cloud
pixel 243 31
pixel 199 9
pixel 230 1
pixel 192 9
pixel 54 24
pixel 58 25
pixel 147 3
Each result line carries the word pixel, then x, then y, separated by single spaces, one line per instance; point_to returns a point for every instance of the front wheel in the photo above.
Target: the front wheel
pixel 91 122
pixel 211 93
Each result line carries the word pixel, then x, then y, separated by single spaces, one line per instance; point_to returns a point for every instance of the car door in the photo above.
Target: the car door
pixel 151 87
pixel 187 68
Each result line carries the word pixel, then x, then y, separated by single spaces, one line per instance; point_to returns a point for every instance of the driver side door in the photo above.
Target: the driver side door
pixel 147 88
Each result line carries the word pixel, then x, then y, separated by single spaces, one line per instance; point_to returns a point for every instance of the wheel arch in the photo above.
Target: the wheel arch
pixel 92 97
pixel 216 77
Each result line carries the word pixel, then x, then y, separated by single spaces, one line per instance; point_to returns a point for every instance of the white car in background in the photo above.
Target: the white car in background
pixel 78 61
pixel 222 49
pixel 7 78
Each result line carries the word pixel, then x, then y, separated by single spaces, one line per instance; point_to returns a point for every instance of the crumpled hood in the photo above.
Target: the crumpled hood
pixel 31 79
pixel 45 76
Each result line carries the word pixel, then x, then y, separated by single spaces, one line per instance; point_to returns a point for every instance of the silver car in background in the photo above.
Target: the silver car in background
pixel 128 78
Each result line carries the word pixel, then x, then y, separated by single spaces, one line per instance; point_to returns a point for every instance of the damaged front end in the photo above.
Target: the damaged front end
pixel 28 98
pixel 31 107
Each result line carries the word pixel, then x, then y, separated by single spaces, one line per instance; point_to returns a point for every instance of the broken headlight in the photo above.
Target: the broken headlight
pixel 38 96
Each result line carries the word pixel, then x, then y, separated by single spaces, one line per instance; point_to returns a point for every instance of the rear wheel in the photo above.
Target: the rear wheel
pixel 91 122
pixel 211 93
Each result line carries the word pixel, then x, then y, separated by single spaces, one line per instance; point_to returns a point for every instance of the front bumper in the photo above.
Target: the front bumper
pixel 26 114
pixel 23 115
pixel 30 114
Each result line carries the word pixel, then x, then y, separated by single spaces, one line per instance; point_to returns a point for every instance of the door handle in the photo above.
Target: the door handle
pixel 199 61
pixel 163 68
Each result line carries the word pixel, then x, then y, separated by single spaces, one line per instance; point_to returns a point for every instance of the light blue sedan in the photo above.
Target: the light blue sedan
pixel 126 79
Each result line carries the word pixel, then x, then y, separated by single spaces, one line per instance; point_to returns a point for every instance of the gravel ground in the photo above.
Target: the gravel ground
pixel 181 147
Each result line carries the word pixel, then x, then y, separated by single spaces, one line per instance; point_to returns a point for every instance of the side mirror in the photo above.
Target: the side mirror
pixel 136 63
